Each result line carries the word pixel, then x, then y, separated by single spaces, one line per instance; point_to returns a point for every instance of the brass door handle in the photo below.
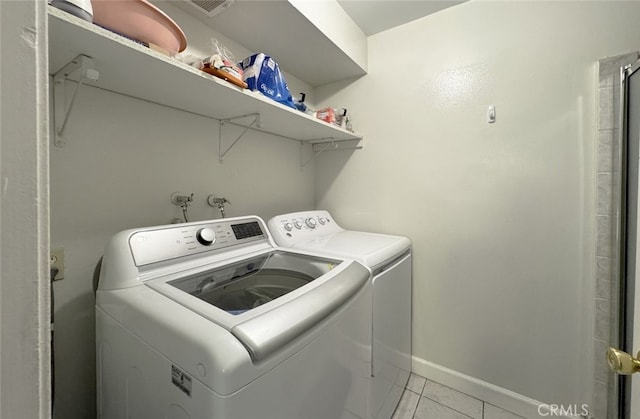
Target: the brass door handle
pixel 622 363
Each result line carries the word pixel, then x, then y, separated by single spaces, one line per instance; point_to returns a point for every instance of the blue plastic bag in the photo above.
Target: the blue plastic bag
pixel 262 73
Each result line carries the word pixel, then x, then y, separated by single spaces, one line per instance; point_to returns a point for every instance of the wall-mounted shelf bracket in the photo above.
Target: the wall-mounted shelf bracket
pixel 79 69
pixel 320 145
pixel 254 123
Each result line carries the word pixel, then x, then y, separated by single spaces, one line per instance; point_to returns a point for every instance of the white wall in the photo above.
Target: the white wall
pixel 501 215
pixel 122 159
pixel 330 18
pixel 24 217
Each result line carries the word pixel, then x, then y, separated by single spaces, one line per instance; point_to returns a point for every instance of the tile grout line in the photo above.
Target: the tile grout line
pixel 421 395
pixel 449 407
pixel 415 408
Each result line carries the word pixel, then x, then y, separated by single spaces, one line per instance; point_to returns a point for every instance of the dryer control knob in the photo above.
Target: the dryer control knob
pixel 310 222
pixel 321 220
pixel 288 226
pixel 206 236
pixel 297 224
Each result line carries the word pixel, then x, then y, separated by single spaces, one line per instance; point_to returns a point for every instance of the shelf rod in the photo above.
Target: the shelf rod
pixel 336 148
pixel 256 115
pixel 228 120
pixel 262 131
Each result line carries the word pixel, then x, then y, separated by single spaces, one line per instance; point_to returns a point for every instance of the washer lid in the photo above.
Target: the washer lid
pixel 268 300
pixel 371 249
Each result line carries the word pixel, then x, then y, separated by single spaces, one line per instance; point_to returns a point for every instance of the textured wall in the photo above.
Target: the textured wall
pixel 501 215
pixel 121 161
pixel 24 217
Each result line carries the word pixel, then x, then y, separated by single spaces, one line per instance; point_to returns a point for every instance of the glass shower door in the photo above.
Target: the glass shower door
pixel 626 388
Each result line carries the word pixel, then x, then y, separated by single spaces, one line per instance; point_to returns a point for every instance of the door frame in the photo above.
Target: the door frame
pixel 25 389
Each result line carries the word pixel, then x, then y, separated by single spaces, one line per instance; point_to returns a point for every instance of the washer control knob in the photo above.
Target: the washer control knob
pixel 310 222
pixel 321 220
pixel 288 226
pixel 206 236
pixel 297 224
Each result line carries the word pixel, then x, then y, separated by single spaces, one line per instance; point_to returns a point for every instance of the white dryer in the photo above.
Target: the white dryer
pixel 389 259
pixel 212 320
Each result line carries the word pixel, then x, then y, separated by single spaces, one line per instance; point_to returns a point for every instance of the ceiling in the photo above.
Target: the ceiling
pixel 373 16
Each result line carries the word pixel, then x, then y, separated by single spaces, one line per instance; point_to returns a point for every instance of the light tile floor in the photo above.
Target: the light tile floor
pixel 426 399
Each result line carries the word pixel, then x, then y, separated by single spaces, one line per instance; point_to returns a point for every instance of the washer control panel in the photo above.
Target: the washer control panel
pixel 170 242
pixel 289 229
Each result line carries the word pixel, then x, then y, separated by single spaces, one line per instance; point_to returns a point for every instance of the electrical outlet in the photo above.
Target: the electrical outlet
pixel 57 261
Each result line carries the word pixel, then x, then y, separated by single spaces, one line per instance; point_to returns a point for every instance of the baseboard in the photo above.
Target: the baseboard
pixel 487 392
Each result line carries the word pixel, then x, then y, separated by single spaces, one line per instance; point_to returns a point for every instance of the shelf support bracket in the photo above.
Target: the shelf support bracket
pixel 320 145
pixel 80 68
pixel 255 122
pixel 330 143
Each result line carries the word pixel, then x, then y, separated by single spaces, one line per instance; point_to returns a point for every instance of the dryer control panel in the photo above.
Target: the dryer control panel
pixel 289 229
pixel 169 242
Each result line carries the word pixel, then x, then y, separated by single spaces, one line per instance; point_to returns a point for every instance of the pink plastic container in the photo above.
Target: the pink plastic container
pixel 140 20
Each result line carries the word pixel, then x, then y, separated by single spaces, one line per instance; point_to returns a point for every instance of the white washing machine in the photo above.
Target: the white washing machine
pixel 212 320
pixel 389 258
